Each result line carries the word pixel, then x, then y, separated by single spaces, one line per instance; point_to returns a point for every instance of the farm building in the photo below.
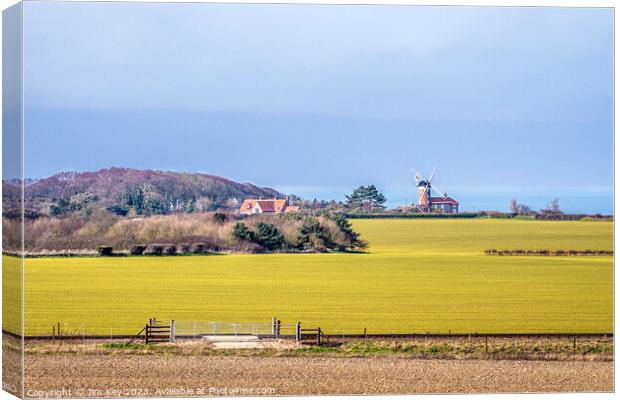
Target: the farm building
pixel 270 206
pixel 445 204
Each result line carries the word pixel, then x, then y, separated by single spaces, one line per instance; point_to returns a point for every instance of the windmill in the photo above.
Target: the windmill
pixel 424 187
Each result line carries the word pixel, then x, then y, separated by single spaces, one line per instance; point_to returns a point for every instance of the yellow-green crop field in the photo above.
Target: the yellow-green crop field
pixel 417 276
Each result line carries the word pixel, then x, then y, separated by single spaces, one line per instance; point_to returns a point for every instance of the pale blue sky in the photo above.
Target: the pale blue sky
pixel 321 98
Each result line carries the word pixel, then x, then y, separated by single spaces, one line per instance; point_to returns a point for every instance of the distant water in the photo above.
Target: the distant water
pixel 591 200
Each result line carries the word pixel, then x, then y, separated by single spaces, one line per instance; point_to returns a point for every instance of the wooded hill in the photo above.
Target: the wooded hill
pixel 126 192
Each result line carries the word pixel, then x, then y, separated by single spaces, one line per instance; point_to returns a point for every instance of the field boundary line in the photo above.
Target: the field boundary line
pixel 348 336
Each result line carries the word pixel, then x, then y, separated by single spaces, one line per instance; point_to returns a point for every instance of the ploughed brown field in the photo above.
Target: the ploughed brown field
pixel 137 375
pixel 195 369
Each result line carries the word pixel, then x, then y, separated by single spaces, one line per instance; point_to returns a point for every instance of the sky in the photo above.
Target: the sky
pixel 318 99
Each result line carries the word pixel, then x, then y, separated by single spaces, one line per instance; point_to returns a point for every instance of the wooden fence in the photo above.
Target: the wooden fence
pixel 310 336
pixel 155 332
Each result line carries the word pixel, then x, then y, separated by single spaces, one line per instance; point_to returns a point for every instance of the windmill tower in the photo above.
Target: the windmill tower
pixel 424 191
pixel 424 187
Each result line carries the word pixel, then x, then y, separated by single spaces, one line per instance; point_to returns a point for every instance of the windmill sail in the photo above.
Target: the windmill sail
pixel 424 190
pixel 425 202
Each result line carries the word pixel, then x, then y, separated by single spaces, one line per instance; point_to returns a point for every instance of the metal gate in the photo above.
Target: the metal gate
pixel 275 329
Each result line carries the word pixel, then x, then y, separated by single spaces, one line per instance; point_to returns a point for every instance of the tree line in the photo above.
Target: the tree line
pixel 552 208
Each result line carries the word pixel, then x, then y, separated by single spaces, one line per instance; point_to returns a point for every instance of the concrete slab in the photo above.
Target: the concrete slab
pixel 237 345
pixel 231 338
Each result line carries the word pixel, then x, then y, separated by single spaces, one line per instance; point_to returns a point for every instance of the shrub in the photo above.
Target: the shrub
pixel 140 235
pixel 171 250
pixel 220 218
pixel 294 216
pixel 439 348
pixel 105 250
pixel 353 238
pixel 118 210
pixel 156 249
pixel 241 231
pixel 268 236
pixel 198 248
pixel 185 248
pixel 137 250
pixel 317 243
pixel 124 346
pixel 312 235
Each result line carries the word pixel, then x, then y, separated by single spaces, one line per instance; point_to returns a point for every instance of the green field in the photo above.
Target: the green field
pixel 418 276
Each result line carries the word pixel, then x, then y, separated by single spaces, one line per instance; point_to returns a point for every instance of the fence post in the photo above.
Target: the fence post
pixel 273 326
pixel 318 336
pixel 59 335
pixel 486 344
pixel 298 331
pixel 278 325
pixel 146 333
pixel 574 344
pixel 172 331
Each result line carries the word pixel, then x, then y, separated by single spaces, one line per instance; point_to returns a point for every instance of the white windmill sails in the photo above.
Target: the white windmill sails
pixel 425 186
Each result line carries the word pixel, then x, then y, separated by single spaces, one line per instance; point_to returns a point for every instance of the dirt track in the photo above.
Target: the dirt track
pixel 143 375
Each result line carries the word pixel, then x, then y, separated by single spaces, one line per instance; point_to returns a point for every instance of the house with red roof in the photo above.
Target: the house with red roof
pixel 267 206
pixel 444 204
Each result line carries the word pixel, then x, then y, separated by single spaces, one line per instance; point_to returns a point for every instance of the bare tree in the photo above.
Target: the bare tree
pixel 514 206
pixel 552 208
pixel 519 208
pixel 524 209
pixel 555 206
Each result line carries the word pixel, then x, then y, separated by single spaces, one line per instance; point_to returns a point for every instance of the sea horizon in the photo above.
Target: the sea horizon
pixel 576 200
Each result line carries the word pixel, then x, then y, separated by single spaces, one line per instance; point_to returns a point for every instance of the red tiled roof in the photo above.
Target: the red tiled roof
pixel 444 200
pixel 248 204
pixel 267 205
